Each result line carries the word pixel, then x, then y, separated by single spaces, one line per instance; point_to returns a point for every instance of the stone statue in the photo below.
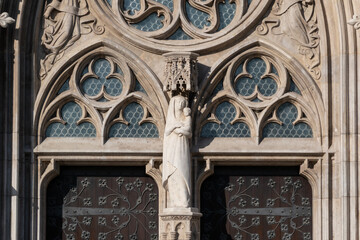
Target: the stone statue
pixel 176 154
pixel 64 23
pixel 294 22
pixel 297 20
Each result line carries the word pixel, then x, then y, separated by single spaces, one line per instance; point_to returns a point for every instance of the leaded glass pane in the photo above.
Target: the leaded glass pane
pixel 227 12
pixel 134 113
pixel 150 24
pixel 219 87
pixel 256 67
pixel 225 112
pixel 71 113
pixel 256 100
pixel 64 87
pixel 92 86
pixel 139 87
pixel 167 3
pixel 132 6
pixel 294 88
pixel 179 35
pixel 198 18
pixel 287 114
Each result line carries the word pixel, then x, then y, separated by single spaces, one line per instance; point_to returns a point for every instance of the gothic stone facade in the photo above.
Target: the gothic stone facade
pixel 273 90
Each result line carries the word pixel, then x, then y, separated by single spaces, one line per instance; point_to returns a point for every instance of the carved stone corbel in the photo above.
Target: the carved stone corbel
pixel 6 20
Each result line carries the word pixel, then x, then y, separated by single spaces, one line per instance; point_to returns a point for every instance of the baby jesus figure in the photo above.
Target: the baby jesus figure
pixel 185 126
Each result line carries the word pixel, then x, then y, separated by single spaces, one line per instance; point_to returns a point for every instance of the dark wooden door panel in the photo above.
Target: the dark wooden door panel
pixel 102 203
pixel 256 204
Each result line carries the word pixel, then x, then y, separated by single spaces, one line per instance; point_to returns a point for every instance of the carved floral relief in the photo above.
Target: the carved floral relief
pixel 297 20
pixel 64 23
pixel 355 21
pixel 5 20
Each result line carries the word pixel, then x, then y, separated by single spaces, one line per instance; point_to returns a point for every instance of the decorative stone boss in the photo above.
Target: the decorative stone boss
pixel 181 78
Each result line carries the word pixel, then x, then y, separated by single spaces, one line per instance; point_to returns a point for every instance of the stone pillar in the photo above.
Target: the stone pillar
pixel 180 224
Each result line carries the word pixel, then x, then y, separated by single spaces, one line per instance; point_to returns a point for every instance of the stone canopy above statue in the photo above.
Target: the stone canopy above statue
pixel 181 73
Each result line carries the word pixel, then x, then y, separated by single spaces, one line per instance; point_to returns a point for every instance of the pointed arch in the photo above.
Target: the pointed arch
pixel 135 73
pixel 293 82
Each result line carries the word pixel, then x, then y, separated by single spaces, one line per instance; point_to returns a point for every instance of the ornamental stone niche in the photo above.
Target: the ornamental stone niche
pixel 179 221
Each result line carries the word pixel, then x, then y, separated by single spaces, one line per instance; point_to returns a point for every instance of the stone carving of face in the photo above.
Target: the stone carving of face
pixel 180 104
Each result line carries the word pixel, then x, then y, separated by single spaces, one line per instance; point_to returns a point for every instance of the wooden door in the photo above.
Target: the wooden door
pixel 102 203
pixel 248 203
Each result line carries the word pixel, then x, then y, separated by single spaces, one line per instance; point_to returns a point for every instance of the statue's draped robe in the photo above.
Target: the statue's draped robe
pixel 176 161
pixel 62 28
pixel 293 22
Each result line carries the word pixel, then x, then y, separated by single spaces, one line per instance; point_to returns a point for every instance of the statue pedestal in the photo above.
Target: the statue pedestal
pixel 180 224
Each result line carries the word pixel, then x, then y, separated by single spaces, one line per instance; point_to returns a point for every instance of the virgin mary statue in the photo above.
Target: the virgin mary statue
pixel 176 154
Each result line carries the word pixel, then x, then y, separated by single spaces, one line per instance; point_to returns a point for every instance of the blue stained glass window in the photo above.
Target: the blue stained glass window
pixel 139 87
pixel 150 24
pixel 273 70
pixel 225 112
pixel 294 88
pixel 198 18
pixel 167 3
pixel 64 87
pixel 86 70
pixel 246 86
pixel 219 87
pixel 119 71
pixel 132 6
pixel 71 113
pixel 226 13
pixel 92 86
pixel 134 113
pixel 179 35
pixel 287 114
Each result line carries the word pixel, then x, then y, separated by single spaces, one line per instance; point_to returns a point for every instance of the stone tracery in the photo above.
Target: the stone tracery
pixel 249 106
pixel 256 84
pixel 119 103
